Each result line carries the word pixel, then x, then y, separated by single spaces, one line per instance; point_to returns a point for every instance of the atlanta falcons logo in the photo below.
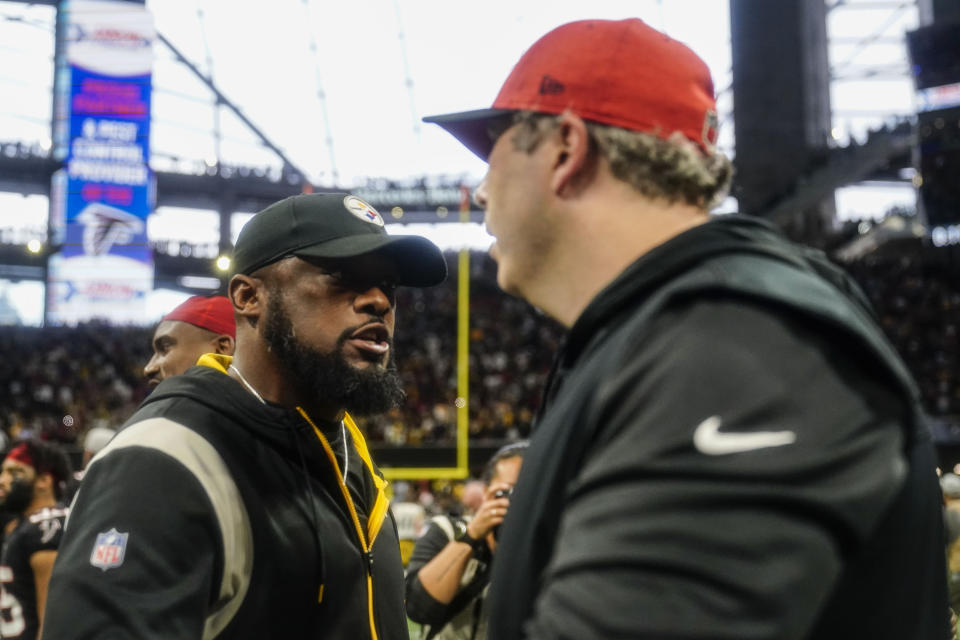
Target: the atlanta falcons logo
pixel 105 226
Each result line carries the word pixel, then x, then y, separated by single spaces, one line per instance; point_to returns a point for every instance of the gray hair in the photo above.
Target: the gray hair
pixel 673 169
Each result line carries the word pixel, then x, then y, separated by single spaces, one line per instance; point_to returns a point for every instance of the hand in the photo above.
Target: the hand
pixel 490 513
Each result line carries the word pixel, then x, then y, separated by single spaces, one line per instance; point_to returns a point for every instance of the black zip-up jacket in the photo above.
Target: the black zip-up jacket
pixel 729 449
pixel 211 515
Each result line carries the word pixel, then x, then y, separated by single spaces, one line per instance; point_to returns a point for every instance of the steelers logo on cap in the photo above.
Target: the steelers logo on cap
pixel 362 210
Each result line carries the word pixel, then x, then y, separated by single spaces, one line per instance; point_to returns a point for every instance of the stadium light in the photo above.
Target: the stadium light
pixel 34 246
pixel 223 263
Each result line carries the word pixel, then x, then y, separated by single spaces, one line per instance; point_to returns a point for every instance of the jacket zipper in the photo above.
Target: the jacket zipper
pixel 367 550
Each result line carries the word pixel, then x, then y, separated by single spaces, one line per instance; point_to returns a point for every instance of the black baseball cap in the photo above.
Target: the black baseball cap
pixel 333 225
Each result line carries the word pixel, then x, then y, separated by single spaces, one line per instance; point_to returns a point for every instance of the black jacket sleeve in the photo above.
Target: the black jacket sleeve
pixel 162 586
pixel 421 606
pixel 738 456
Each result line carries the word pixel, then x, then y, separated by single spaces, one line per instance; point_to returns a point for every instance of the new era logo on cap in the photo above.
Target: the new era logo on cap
pixel 711 130
pixel 549 86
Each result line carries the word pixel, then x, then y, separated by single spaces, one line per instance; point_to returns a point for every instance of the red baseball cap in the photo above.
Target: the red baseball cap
pixel 213 314
pixel 616 72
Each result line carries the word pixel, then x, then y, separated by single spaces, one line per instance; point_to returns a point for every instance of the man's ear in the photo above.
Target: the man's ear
pixel 248 296
pixel 225 345
pixel 573 161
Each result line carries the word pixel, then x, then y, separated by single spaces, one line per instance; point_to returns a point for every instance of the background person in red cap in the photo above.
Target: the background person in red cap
pixel 197 326
pixel 271 520
pixel 729 447
pixel 32 480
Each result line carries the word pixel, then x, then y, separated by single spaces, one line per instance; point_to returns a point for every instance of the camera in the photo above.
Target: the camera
pixel 500 493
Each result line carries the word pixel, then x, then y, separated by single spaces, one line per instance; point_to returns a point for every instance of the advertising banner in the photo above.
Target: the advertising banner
pixel 104 269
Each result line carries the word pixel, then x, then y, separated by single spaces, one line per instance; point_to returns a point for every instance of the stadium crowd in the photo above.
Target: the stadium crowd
pixel 511 346
pixel 915 290
pixel 59 382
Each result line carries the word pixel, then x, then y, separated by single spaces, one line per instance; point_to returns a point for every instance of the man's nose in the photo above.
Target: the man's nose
pixel 374 300
pixel 151 368
pixel 480 194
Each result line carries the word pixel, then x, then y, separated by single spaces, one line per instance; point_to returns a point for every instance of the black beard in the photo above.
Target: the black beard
pixel 327 376
pixel 18 498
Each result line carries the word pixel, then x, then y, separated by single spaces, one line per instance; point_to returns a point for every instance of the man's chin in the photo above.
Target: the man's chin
pixel 505 283
pixel 363 361
pixel 366 366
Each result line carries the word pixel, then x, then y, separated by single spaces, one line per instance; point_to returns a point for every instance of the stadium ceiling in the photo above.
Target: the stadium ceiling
pixel 219 186
pixel 224 187
pixel 28 169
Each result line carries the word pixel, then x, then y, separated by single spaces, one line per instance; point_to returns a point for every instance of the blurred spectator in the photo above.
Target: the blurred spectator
pixel 32 483
pixel 410 516
pixel 950 485
pixel 472 496
pixel 449 572
pixel 197 326
pixel 96 439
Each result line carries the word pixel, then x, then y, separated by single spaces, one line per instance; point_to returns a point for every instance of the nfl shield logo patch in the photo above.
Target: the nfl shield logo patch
pixel 109 549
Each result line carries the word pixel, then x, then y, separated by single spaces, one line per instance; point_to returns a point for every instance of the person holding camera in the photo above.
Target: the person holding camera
pixel 449 569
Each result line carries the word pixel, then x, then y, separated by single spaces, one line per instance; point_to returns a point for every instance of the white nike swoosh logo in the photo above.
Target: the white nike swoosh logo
pixel 708 439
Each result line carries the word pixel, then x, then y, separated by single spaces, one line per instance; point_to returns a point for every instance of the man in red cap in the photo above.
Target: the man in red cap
pixel 729 446
pixel 32 480
pixel 197 326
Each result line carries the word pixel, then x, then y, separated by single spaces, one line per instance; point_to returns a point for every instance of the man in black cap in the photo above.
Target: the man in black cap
pixel 240 500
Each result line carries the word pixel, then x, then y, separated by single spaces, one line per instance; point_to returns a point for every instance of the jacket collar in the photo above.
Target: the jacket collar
pixel 687 250
pixel 238 402
pixel 682 252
